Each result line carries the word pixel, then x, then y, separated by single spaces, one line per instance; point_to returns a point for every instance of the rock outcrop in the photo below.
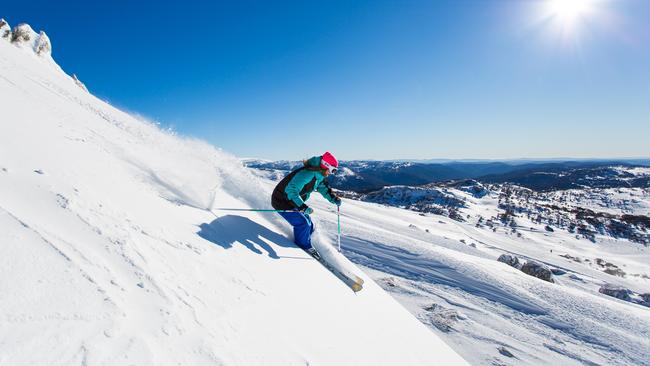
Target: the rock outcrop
pixel 24 36
pixel 538 270
pixel 530 267
pixel 510 260
pixel 625 294
pixel 42 45
pixel 78 82
pixel 618 292
pixel 646 299
pixel 5 29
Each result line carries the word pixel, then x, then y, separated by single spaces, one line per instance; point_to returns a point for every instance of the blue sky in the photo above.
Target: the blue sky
pixel 367 79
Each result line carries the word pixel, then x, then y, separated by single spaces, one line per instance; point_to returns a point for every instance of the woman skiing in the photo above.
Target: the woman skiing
pixel 292 192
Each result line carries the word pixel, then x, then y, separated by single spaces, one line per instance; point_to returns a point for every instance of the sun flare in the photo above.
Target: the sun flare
pixel 569 17
pixel 570 12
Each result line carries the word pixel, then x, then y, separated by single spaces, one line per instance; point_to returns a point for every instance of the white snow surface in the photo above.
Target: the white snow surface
pixel 447 274
pixel 109 256
pixel 481 304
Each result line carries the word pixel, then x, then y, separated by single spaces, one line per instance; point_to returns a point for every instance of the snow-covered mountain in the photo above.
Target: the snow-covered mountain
pixel 597 176
pixel 369 175
pixel 363 176
pixel 110 254
pixel 448 274
pixel 428 198
pixel 509 275
pixel 587 212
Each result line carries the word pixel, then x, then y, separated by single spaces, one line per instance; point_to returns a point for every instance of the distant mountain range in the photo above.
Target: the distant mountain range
pixel 363 176
pixel 551 178
pixel 584 198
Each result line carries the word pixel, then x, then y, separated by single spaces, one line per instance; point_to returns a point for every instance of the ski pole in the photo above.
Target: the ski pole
pixel 338 221
pixel 251 209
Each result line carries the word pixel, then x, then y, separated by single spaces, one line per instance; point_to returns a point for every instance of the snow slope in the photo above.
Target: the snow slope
pixel 109 256
pixel 446 273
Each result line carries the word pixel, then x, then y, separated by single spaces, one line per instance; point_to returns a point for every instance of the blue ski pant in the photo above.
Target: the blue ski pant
pixel 303 227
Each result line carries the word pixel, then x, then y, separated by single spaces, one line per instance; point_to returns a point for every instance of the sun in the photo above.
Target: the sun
pixel 571 24
pixel 568 18
pixel 569 13
pixel 569 9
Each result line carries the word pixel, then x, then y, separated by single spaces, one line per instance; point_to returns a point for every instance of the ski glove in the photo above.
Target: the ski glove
pixel 337 201
pixel 305 209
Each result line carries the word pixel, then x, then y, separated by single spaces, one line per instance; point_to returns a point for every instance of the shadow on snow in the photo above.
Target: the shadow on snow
pixel 230 229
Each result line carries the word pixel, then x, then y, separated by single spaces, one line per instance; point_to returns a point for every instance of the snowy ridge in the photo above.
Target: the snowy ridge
pixel 23 36
pixel 110 256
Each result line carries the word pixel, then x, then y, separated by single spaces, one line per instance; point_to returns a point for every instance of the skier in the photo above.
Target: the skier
pixel 292 192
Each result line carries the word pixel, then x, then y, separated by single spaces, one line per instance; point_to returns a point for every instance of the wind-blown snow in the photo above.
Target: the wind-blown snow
pixel 111 257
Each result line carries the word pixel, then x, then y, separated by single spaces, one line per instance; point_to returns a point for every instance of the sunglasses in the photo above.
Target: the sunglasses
pixel 331 168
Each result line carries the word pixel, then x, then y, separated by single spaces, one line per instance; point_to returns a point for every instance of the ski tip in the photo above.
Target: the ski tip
pixel 357 287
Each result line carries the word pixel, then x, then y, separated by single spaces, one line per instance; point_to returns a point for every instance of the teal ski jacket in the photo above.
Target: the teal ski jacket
pixel 292 191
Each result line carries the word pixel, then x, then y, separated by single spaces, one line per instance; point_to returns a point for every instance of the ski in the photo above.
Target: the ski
pixel 353 282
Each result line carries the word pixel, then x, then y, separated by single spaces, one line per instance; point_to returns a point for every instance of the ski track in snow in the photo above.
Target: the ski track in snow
pixel 403 263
